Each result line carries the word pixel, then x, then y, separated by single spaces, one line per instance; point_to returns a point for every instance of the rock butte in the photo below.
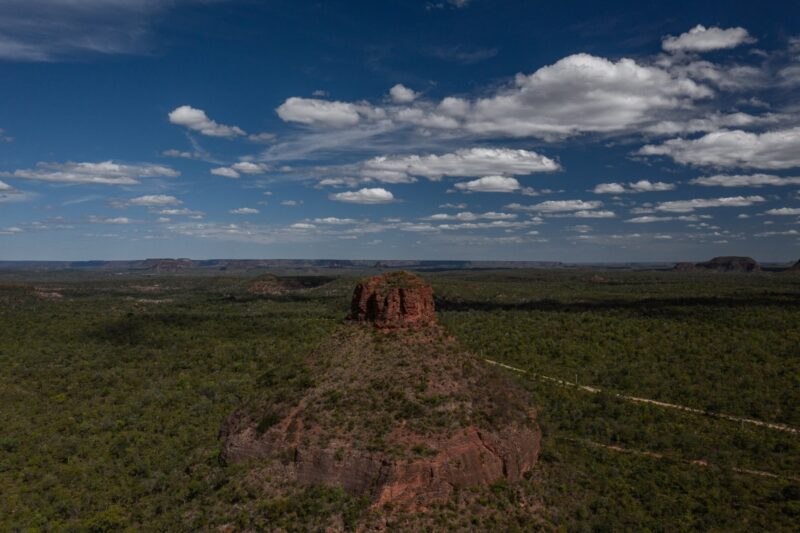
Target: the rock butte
pixel 445 419
pixel 396 299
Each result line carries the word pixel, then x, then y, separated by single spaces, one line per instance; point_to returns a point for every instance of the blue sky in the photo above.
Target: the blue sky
pixel 481 129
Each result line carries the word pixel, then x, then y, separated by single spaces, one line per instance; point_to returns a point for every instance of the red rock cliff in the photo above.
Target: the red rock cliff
pixel 396 299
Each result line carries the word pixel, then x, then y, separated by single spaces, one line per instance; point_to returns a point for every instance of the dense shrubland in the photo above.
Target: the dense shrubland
pixel 111 397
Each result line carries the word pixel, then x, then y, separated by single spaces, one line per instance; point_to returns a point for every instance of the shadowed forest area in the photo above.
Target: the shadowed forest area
pixel 113 391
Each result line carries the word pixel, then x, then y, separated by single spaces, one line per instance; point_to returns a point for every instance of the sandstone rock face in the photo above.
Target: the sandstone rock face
pixel 393 300
pixel 400 415
pixel 471 457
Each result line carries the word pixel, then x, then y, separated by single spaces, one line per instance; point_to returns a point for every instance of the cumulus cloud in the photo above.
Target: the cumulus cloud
pixel 778 149
pixel 784 211
pixel 633 187
pixel 325 113
pixel 225 172
pixel 466 162
pixel 745 180
pixel 490 184
pixel 366 196
pixel 402 95
pixel 104 173
pixel 702 39
pixel 5 186
pixel 197 120
pixel 154 200
pixel 687 206
pixel 579 93
pixel 244 211
pixel 558 206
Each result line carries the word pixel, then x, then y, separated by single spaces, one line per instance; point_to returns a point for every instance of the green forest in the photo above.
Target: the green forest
pixel 113 390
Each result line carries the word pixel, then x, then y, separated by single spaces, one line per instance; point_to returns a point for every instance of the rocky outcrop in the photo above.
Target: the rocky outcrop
pixel 795 268
pixel 396 299
pixel 722 264
pixel 470 457
pixel 401 416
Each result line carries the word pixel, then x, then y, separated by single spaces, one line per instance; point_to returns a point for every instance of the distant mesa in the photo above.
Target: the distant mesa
pixel 167 265
pixel 396 299
pixel 721 264
pixel 272 285
pixel 397 415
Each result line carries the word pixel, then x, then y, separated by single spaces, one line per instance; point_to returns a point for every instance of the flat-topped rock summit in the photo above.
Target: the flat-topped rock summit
pixel 722 264
pixel 396 299
pixel 398 415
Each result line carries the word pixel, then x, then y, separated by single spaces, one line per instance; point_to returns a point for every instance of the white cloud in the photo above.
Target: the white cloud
pixel 402 95
pixel 244 211
pixel 453 206
pixel 558 206
pixel 339 182
pixel 736 148
pixel 5 186
pixel 633 187
pixel 594 214
pixel 490 184
pixel 702 39
pixel 225 172
pixel 784 211
pixel 261 138
pixel 745 180
pixel 52 30
pixel 687 206
pixel 325 113
pixel 197 120
pixel 335 221
pixel 114 220
pixel 709 123
pixel 650 219
pixel 467 216
pixel 364 196
pixel 578 94
pixel 181 212
pixel 291 203
pixel 466 162
pixel 183 154
pixel 104 173
pixel 582 93
pixel 154 200
pixel 302 226
pixel 247 167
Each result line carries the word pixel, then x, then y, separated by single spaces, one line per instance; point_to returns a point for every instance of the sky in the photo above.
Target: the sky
pixel 401 129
